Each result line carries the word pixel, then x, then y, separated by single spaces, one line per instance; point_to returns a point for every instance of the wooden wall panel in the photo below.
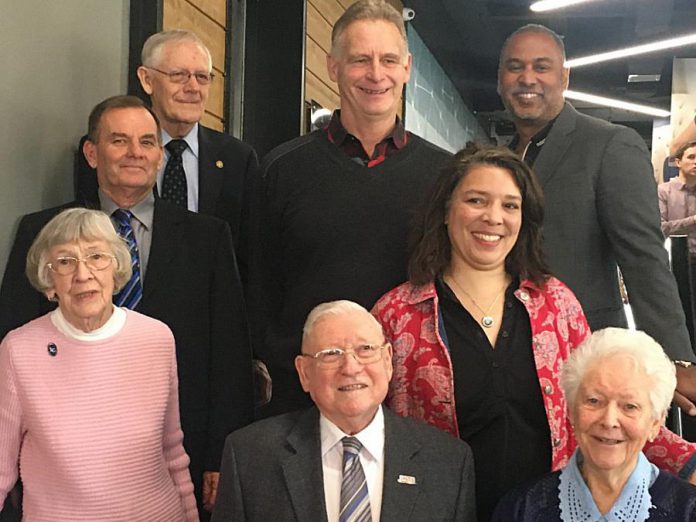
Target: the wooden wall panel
pixel 212 121
pixel 318 28
pixel 316 63
pixel 329 9
pixel 318 91
pixel 216 95
pixel 215 9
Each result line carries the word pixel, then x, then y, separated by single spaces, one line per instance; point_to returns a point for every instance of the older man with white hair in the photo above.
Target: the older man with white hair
pixel 347 458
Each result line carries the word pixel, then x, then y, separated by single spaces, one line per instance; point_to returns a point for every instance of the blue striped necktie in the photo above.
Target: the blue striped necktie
pixel 131 294
pixel 355 501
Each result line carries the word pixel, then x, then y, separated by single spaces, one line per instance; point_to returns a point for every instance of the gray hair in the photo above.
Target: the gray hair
pixel 151 55
pixel 334 308
pixel 76 224
pixel 367 10
pixel 639 347
pixel 534 28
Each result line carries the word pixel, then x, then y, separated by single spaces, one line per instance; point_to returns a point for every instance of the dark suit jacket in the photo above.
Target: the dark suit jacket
pixel 192 285
pixel 602 211
pixel 227 171
pixel 271 471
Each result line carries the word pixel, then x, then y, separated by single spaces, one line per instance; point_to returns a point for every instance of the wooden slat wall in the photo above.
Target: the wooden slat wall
pixel 321 15
pixel 207 18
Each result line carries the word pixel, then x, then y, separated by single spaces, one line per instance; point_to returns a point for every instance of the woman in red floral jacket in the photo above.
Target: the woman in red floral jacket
pixel 481 330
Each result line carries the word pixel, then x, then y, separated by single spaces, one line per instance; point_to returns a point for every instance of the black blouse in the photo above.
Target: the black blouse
pixel 499 405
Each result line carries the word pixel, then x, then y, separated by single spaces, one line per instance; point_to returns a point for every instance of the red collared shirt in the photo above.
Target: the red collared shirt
pixel 392 143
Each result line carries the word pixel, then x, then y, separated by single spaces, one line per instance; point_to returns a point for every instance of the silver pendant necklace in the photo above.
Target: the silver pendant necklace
pixel 487 320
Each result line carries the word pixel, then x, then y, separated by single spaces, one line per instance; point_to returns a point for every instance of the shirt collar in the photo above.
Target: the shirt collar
pixel 633 504
pixel 538 140
pixel 191 140
pixel 372 437
pixel 143 211
pixel 337 133
pixel 681 185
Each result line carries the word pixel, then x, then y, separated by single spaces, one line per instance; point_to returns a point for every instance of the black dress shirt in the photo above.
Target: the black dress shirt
pixel 500 411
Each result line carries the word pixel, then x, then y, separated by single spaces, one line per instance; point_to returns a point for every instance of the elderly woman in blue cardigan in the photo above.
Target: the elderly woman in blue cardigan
pixel 618 385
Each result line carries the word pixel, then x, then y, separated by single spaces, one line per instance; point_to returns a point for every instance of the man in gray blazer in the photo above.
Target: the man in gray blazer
pixel 300 467
pixel 601 200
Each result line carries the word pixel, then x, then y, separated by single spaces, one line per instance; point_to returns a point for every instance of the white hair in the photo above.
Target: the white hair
pixel 334 308
pixel 646 354
pixel 151 54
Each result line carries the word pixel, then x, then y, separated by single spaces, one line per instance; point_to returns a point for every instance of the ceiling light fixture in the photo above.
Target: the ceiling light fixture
pixel 616 104
pixel 549 5
pixel 680 41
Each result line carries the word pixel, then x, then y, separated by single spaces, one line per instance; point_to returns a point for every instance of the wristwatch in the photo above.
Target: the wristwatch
pixel 683 364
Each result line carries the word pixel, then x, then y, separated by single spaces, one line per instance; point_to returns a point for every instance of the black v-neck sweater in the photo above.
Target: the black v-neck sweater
pixel 329 228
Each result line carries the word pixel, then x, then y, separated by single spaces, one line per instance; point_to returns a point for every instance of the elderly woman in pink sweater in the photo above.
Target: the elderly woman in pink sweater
pixel 89 411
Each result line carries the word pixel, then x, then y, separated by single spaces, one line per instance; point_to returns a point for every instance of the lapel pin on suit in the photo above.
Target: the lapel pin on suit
pixel 219 164
pixel 406 479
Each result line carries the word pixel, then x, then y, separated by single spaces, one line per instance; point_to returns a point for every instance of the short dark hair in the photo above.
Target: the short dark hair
pixel 112 103
pixel 534 28
pixel 430 246
pixel 681 150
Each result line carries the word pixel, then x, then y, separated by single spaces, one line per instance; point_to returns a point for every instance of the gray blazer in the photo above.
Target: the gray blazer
pixel 271 472
pixel 602 211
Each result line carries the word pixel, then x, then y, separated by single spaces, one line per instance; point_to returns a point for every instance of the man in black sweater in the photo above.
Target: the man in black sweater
pixel 336 205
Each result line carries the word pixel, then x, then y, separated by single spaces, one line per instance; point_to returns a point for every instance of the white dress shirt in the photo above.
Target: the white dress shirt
pixel 371 457
pixel 190 160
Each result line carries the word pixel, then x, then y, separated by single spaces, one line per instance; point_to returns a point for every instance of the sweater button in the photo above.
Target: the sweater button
pixel 548 389
pixel 556 443
pixel 524 295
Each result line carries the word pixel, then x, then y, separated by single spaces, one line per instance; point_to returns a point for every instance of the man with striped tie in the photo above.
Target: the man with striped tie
pixel 348 458
pixel 185 275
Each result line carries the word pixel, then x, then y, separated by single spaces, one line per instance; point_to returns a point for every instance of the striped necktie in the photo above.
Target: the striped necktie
pixel 131 294
pixel 355 501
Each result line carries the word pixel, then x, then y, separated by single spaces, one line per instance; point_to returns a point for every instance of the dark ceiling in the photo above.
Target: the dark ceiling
pixel 465 36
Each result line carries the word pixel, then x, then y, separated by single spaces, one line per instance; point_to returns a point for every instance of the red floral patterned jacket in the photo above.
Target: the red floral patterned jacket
pixel 423 384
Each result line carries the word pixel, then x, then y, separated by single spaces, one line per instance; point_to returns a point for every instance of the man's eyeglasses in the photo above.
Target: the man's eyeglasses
pixel 66 265
pixel 203 78
pixel 335 357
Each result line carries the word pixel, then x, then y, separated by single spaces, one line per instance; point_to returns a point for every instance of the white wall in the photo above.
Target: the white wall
pixel 434 109
pixel 58 59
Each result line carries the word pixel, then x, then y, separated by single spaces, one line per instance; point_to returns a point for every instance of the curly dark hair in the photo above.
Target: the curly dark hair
pixel 430 246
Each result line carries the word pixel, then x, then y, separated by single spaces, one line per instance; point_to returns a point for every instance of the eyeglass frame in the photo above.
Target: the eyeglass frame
pixel 345 353
pixel 169 75
pixel 84 259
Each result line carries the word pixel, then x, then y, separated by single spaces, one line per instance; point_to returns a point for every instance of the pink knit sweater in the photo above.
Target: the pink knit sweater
pixel 94 428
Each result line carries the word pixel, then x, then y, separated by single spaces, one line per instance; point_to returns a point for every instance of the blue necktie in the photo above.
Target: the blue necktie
pixel 131 294
pixel 355 501
pixel 174 187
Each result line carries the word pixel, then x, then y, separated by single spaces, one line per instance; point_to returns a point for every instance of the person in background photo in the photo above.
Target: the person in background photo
pixel 677 200
pixel 618 385
pixel 89 405
pixel 481 329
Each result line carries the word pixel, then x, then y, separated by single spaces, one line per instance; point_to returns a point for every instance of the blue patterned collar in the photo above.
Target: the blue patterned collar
pixel 633 505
